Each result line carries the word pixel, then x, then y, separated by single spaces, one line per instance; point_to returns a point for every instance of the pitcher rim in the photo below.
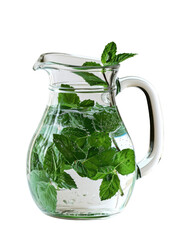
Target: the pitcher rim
pixel 42 64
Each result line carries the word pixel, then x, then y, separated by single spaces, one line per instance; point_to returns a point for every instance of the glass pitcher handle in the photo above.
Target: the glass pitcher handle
pixel 156 124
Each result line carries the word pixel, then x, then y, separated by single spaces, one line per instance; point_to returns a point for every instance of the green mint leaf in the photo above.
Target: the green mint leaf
pixel 47 196
pixel 64 180
pixel 87 103
pixel 92 151
pixel 35 164
pixel 91 79
pixel 77 120
pixel 95 166
pixel 85 170
pixel 75 135
pixel 44 193
pixel 50 160
pixel 107 120
pixel 108 53
pixel 79 168
pixel 103 171
pixel 68 148
pixel 122 57
pixel 38 176
pixel 109 186
pixel 118 86
pixel 63 144
pixel 91 64
pixel 125 161
pixel 70 99
pixel 102 159
pixel 99 140
pixel 39 147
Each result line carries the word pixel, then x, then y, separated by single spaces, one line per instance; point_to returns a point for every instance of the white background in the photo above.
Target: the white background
pixel 149 28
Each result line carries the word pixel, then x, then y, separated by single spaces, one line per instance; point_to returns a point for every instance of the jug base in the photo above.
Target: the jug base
pixel 83 214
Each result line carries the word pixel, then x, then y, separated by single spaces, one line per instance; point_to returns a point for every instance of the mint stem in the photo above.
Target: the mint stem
pixel 121 191
pixel 105 78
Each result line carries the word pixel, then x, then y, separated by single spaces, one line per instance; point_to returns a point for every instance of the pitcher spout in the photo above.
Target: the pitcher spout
pixel 72 70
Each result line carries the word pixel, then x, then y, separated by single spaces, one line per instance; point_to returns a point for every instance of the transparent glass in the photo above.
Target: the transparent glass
pixel 81 161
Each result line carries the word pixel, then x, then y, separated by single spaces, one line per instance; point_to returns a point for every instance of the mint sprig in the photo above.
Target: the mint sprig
pixel 108 58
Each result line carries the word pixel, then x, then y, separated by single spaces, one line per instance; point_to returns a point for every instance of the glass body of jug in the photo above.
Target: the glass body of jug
pixel 81 160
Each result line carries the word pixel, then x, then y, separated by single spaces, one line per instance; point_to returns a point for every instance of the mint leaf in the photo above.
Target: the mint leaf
pixel 87 103
pixel 103 171
pixel 101 159
pixel 91 79
pixel 109 56
pixel 70 99
pixel 38 176
pixel 68 148
pixel 35 164
pixel 109 186
pixel 100 140
pixel 91 64
pixel 63 144
pixel 50 160
pixel 125 161
pixel 47 196
pixel 108 53
pixel 95 166
pixel 75 135
pixel 107 120
pixel 44 193
pixel 118 86
pixel 92 151
pixel 78 120
pixel 122 57
pixel 85 168
pixel 64 180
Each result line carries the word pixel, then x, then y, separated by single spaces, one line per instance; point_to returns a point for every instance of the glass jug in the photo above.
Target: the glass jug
pixel 81 161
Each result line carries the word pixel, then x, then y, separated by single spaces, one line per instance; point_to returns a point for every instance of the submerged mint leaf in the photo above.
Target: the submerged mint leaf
pixel 64 180
pixel 125 161
pixel 76 135
pixel 87 103
pixel 102 159
pixel 70 99
pixel 107 120
pixel 38 176
pixel 44 193
pixel 78 120
pixel 63 144
pixel 108 53
pixel 92 151
pixel 35 164
pixel 109 186
pixel 68 148
pixel 50 160
pixel 94 167
pixel 99 140
pixel 47 196
pixel 91 79
pixel 91 64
